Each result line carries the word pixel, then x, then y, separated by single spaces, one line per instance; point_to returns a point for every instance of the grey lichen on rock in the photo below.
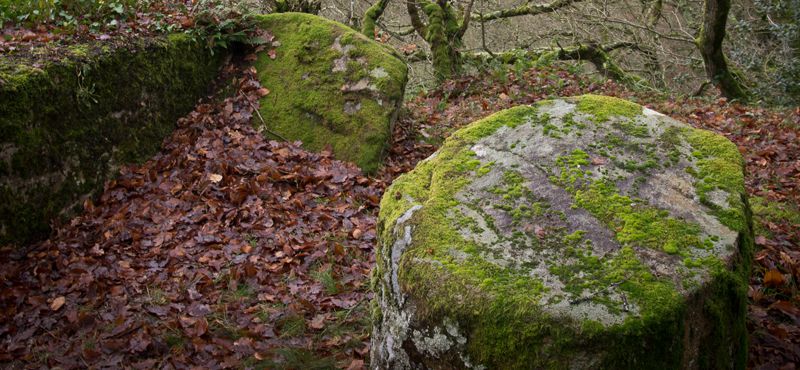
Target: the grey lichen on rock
pixel 584 232
pixel 330 85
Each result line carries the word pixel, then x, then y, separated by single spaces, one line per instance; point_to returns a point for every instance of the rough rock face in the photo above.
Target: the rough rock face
pixel 330 85
pixel 578 233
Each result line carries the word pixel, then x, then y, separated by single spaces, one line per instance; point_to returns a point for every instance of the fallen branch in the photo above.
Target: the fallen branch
pixel 593 53
pixel 527 9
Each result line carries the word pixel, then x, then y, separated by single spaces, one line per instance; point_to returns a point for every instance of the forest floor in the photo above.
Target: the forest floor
pixel 228 250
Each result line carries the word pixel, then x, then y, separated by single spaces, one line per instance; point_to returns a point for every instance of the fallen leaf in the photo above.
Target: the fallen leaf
pixel 58 303
pixel 773 278
pixel 318 322
pixel 356 364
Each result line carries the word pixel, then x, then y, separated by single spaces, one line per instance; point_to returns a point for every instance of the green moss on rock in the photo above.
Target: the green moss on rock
pixel 549 256
pixel 604 107
pixel 66 126
pixel 719 166
pixel 330 86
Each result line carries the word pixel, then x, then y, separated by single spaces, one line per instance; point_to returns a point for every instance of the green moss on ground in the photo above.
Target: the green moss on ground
pixel 766 211
pixel 308 98
pixel 70 124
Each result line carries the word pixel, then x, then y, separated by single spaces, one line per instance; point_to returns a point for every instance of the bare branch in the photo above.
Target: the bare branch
pixel 593 53
pixel 527 9
pixel 396 33
pixel 465 22
pixel 646 28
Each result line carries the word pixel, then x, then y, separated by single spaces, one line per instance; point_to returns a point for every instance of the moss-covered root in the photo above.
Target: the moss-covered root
pixel 580 233
pixel 330 86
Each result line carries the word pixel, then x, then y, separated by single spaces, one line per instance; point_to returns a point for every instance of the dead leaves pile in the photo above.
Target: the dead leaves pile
pixel 224 250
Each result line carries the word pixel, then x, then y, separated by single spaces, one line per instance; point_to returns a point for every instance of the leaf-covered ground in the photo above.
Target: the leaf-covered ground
pixel 65 25
pixel 224 250
pixel 227 250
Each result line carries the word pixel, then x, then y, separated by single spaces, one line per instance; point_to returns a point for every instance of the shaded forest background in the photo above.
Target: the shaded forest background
pixel 654 40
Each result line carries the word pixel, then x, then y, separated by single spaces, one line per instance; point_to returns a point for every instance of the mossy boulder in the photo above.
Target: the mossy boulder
pixel 578 233
pixel 70 117
pixel 330 86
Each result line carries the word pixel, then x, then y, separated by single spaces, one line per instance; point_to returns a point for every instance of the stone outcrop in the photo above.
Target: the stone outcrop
pixel 330 86
pixel 68 121
pixel 578 233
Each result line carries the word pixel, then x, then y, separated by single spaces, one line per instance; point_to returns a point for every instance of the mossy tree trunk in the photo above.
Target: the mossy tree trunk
pixel 298 6
pixel 445 28
pixel 709 42
pixel 371 16
pixel 444 34
pixel 598 55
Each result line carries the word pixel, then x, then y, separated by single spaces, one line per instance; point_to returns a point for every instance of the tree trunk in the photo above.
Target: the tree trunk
pixel 371 16
pixel 709 41
pixel 445 38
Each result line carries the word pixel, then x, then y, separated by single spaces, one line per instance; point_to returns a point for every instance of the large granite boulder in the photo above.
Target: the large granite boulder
pixel 578 233
pixel 330 85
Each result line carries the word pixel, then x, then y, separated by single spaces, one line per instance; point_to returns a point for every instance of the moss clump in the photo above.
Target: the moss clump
pixel 484 169
pixel 719 166
pixel 330 86
pixel 88 120
pixel 604 107
pixel 633 129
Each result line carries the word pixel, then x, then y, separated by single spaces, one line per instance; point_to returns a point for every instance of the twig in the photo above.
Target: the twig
pixel 51 334
pixel 702 88
pixel 590 297
pixel 263 123
pixel 483 33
